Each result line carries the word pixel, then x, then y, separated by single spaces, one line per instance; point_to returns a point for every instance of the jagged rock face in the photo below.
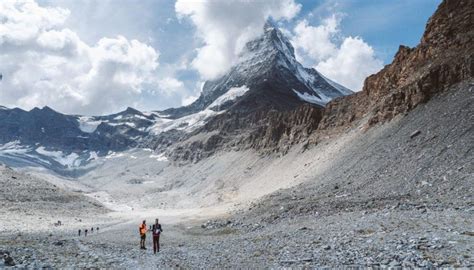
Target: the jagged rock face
pixel 266 131
pixel 448 36
pixel 443 57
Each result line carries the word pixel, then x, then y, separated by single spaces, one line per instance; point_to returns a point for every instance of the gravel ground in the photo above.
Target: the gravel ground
pixel 385 238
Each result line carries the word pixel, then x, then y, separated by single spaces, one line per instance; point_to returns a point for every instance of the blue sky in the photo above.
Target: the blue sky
pixel 178 37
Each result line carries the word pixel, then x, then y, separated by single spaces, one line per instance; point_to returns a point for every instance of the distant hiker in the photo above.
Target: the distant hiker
pixel 92 229
pixel 97 229
pixel 142 230
pixel 156 236
pixel 79 233
pixel 85 232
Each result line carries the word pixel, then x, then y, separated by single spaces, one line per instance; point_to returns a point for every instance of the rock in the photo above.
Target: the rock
pixel 394 264
pixel 414 134
pixel 7 260
pixel 58 243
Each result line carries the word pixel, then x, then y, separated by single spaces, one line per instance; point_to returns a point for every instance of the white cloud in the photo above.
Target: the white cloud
pixel 226 26
pixel 351 64
pixel 317 41
pixel 44 63
pixel 347 62
pixel 170 85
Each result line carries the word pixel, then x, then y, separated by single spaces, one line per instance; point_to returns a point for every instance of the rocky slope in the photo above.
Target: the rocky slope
pixel 399 195
pixel 23 196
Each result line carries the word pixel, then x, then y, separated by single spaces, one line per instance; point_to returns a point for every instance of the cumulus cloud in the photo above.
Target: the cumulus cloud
pixel 170 85
pixel 316 41
pixel 346 60
pixel 44 63
pixel 226 26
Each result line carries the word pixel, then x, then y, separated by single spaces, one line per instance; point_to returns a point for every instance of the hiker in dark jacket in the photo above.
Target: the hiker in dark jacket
pixel 156 231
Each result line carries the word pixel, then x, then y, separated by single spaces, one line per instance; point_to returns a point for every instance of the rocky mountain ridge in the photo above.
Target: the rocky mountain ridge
pixel 65 143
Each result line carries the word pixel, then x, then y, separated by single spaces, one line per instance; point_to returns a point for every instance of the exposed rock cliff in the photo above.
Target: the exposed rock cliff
pixel 444 57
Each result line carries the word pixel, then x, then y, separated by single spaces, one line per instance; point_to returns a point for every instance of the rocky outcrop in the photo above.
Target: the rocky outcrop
pixel 444 57
pixel 265 131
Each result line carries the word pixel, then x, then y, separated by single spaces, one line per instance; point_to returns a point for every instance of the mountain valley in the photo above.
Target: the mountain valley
pixel 273 166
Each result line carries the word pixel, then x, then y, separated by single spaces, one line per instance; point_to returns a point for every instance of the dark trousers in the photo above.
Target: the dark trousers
pixel 142 240
pixel 156 243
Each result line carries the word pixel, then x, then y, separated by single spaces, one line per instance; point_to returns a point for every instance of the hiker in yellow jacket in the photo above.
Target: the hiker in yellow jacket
pixel 142 230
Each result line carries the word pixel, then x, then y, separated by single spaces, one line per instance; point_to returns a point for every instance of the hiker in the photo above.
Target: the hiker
pixel 156 236
pixel 97 229
pixel 142 230
pixel 79 232
pixel 92 229
pixel 85 232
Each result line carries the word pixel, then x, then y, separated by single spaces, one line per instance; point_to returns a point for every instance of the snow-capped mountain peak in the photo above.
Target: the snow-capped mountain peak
pixel 268 67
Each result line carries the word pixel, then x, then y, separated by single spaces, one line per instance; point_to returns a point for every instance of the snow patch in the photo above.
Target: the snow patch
pixel 230 95
pixel 130 124
pixel 112 154
pixel 312 98
pixel 88 124
pixel 190 122
pixel 71 160
pixel 93 156
pixel 13 147
pixel 160 157
pixel 187 123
